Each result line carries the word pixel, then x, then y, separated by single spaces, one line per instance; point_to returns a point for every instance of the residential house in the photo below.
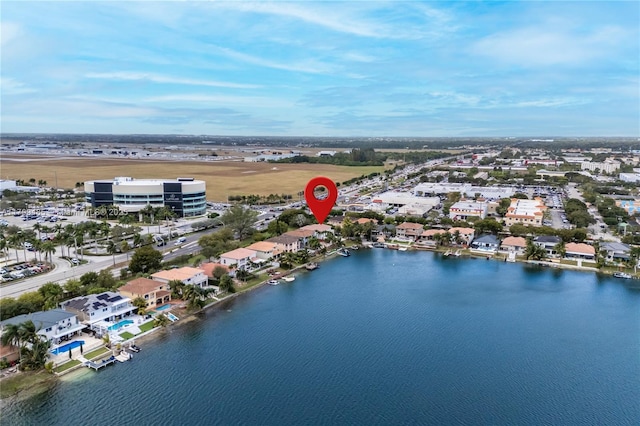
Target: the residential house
pixel 320 230
pixel 265 250
pixel 409 230
pixel 286 243
pixel 95 308
pixel 465 234
pixel 209 267
pixel 186 274
pixel 548 242
pixel 383 231
pixel 155 293
pixel 616 252
pixel 55 325
pixel 514 244
pixel 239 258
pixel 580 251
pixel 486 243
pixel 303 235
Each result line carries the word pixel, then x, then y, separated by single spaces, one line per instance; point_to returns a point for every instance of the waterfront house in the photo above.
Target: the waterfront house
pixel 286 243
pixel 466 235
pixel 616 252
pixel 548 242
pixel 409 230
pixel 320 230
pixel 54 325
pixel 155 293
pixel 514 244
pixel 384 231
pixel 209 267
pixel 239 258
pixel 186 274
pixel 265 250
pixel 303 236
pixel 580 251
pixel 486 243
pixel 93 308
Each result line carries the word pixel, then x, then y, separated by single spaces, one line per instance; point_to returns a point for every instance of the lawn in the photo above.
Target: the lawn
pixel 223 178
pixel 146 326
pixel 96 353
pixel 67 365
pixel 126 335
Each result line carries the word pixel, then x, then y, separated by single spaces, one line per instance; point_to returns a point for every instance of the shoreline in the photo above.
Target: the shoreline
pixel 49 380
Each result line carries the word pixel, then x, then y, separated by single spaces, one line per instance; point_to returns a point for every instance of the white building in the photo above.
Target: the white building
pixel 604 167
pixel 54 325
pixel 468 190
pixel 630 177
pixel 184 196
pixel 525 212
pixel 406 202
pixel 462 210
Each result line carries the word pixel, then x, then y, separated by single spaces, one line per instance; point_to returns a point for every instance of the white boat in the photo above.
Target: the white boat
pixel 288 279
pixel 622 275
pixel 344 252
pixel 273 282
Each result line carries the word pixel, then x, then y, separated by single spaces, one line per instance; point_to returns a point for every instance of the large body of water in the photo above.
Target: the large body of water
pixel 382 337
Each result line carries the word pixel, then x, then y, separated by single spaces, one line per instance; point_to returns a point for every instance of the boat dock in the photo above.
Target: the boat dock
pixel 98 365
pixel 121 357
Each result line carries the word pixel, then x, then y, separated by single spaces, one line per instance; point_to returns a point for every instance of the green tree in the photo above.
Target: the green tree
pixel 146 260
pixel 240 220
pixel 161 321
pixel 534 251
pixel 141 304
pixel 52 294
pixel 226 284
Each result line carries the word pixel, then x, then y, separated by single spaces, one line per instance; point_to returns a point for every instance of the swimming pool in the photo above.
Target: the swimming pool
pixel 119 325
pixel 65 348
pixel 164 307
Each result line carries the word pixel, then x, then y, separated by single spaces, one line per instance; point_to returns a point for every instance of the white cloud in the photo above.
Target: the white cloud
pixel 163 79
pixel 543 46
pixel 9 31
pixel 10 86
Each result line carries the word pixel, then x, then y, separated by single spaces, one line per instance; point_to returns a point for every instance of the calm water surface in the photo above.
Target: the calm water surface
pixel 382 337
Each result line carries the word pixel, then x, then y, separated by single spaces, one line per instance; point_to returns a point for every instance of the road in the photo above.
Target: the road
pixel 64 271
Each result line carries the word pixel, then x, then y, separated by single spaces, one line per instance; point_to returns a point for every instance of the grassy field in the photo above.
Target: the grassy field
pixel 223 178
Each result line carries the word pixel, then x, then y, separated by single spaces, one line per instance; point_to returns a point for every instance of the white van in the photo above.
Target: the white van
pixel 180 241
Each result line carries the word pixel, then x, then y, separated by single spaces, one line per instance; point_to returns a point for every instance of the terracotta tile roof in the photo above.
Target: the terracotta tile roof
pixel 364 220
pixel 318 227
pixel 581 248
pixel 462 230
pixel 239 253
pixel 431 232
pixel 409 225
pixel 262 246
pixel 209 267
pixel 141 286
pixel 514 241
pixel 180 274
pixel 300 233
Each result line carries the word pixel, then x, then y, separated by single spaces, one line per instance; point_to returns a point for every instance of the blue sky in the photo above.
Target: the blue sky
pixel 327 68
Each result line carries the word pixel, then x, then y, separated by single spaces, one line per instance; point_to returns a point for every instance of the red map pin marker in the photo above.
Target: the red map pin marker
pixel 321 207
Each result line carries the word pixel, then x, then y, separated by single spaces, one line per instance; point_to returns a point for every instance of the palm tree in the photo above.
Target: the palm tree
pixel 177 288
pixel 141 304
pixel 15 241
pixel 161 321
pixel 137 239
pixel 49 248
pixel 111 249
pixel 12 337
pixel 196 296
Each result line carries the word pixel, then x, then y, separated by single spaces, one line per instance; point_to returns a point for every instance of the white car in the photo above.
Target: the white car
pixel 180 241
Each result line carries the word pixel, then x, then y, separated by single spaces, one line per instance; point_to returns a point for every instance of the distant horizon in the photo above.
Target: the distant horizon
pixel 345 69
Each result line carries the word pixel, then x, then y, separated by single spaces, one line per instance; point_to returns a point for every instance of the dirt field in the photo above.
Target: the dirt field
pixel 222 178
